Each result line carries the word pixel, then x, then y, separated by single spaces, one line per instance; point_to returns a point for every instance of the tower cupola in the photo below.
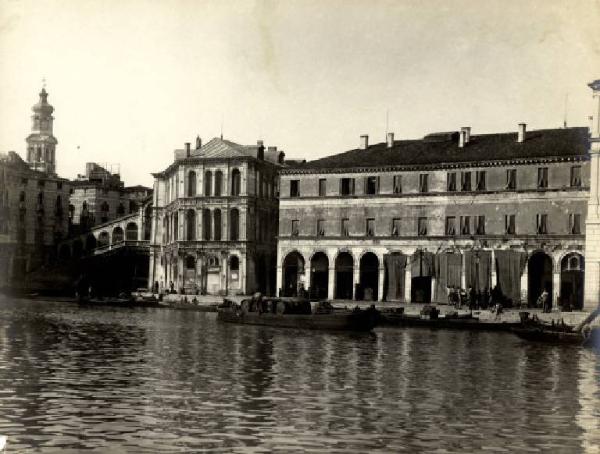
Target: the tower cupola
pixel 41 143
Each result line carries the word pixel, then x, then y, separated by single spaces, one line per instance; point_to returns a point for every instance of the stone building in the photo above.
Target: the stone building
pixel 405 220
pixel 215 219
pixel 33 201
pixel 100 196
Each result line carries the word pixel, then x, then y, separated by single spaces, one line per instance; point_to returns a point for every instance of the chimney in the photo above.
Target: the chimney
pixel 187 149
pixel 364 141
pixel 271 149
pixel 390 139
pixel 260 152
pixel 467 130
pixel 521 132
pixel 198 142
pixel 462 138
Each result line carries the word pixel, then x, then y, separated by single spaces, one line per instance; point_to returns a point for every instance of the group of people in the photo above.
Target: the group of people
pixel 473 299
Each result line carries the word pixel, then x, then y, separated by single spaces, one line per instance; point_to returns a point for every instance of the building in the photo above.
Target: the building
pixel 405 220
pixel 215 219
pixel 100 196
pixel 33 201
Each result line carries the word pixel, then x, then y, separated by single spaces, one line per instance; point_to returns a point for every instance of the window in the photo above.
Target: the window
pixel 22 196
pixel 576 176
pixel 480 225
pixel 217 224
pixel 480 180
pixel 322 187
pixel 344 231
pixel 234 263
pixel 133 206
pixel 207 183
pixel 59 185
pixel 396 227
pixel 347 186
pixel 24 181
pixel 206 224
pixel 236 182
pixel 542 177
pixel 295 230
pixel 294 188
pixel 511 179
pixel 320 227
pixel 397 184
pixel 541 224
pixel 575 223
pixel 370 227
pixel 451 225
pixel 190 218
pixel 191 184
pixel 218 183
pixel 509 224
pixel 422 226
pixel 465 225
pixel 371 185
pixel 41 183
pixel 176 226
pixel 423 182
pixel 451 181
pixel 465 181
pixel 234 224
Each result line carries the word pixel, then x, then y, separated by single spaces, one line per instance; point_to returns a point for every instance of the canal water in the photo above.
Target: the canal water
pixel 76 379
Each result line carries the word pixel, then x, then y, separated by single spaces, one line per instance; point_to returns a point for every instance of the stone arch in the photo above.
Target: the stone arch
pixel 117 235
pixel 572 269
pixel 319 275
pixel 368 276
pixel 131 231
pixel 344 275
pixel 103 239
pixel 236 182
pixel 292 269
pixel 191 185
pixel 207 183
pixel 218 183
pixel 190 223
pixel 540 268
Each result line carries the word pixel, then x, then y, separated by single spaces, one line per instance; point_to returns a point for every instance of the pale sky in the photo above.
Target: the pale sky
pixel 131 80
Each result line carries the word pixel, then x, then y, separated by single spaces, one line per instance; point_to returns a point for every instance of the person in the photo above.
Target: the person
pixel 462 298
pixel 544 301
pixel 472 298
pixel 172 287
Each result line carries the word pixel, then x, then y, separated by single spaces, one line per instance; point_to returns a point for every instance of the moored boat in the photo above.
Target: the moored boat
pixel 295 313
pixel 464 323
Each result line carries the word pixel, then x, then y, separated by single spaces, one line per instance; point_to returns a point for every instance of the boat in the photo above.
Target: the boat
pixel 431 319
pixel 533 329
pixel 295 313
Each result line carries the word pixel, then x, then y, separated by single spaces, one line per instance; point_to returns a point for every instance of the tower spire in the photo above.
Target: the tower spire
pixel 41 143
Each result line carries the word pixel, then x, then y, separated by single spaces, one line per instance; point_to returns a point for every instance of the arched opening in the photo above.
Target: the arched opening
pixel 344 269
pixel 121 210
pixel 191 186
pixel 261 273
pixel 213 275
pixel 103 239
pixel 571 281
pixel 131 231
pixel 147 222
pixel 207 182
pixel 217 221
pixel 77 248
pixel 393 283
pixel 293 266
pixel 421 272
pixel 236 182
pixel 234 272
pixel 90 243
pixel 64 253
pixel 206 227
pixel 234 224
pixel 218 183
pixel 190 274
pixel 117 235
pixel 319 275
pixel 190 219
pixel 368 277
pixel 539 277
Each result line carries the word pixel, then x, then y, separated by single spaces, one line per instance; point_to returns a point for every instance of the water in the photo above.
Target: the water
pixel 154 380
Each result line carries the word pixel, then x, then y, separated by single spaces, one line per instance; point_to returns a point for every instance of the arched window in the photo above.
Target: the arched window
pixel 218 183
pixel 117 235
pixel 234 224
pixel 191 192
pixel 206 230
pixel 121 209
pixel 191 225
pixel 234 263
pixel 207 182
pixel 217 220
pixel 22 196
pixel 236 182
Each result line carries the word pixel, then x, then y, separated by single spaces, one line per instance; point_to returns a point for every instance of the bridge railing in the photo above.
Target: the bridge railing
pixel 120 244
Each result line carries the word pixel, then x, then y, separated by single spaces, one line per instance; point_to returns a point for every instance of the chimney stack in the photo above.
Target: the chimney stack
pixel 364 141
pixel 521 132
pixel 390 139
pixel 467 130
pixel 462 138
pixel 198 142
pixel 187 149
pixel 260 150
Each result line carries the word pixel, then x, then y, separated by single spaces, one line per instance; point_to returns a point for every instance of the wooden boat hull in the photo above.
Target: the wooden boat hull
pixel 550 336
pixel 338 321
pixel 447 323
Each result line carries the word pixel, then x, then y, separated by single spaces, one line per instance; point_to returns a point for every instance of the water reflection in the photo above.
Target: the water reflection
pixel 156 380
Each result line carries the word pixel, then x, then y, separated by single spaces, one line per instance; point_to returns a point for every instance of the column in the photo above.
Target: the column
pixel 494 275
pixel 555 288
pixel 525 287
pixel 407 283
pixel 355 280
pixel 243 277
pixel 331 283
pixel 380 283
pixel 151 271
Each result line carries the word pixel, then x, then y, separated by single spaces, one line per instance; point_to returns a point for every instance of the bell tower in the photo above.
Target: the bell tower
pixel 41 144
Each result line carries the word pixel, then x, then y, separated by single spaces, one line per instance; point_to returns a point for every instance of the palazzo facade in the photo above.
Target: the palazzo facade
pixel 405 220
pixel 214 220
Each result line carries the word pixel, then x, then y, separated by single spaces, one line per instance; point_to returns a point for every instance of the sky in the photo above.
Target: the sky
pixel 132 80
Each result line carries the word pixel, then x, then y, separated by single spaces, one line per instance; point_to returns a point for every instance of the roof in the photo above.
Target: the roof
pixel 221 148
pixel 442 148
